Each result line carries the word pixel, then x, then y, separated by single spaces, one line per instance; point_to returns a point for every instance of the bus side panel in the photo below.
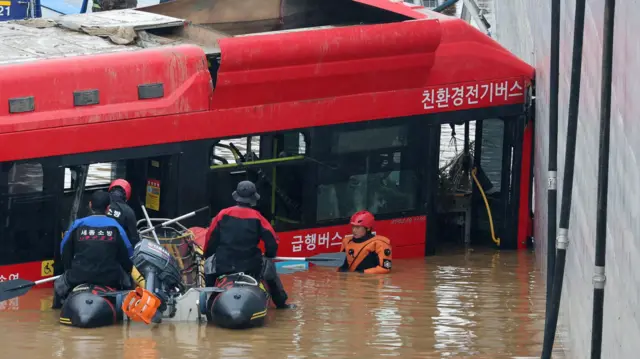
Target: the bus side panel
pixel 407 237
pixel 32 271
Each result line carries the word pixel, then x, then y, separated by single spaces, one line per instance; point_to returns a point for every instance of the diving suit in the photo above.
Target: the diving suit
pixel 366 252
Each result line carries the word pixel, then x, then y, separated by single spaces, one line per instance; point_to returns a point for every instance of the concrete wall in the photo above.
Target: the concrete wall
pixel 523 26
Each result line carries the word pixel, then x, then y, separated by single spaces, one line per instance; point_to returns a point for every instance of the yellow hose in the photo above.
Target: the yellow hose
pixel 495 239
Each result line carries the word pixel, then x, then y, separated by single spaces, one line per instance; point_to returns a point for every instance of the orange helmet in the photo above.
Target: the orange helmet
pixel 364 219
pixel 122 184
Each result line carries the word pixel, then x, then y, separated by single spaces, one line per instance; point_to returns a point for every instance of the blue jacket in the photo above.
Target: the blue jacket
pixel 96 250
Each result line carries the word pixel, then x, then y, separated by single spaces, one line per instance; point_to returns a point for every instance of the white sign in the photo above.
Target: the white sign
pixel 12 276
pixel 470 95
pixel 316 240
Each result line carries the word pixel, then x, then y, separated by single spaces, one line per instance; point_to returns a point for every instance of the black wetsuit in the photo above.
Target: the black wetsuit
pixel 95 250
pixel 233 237
pixel 120 210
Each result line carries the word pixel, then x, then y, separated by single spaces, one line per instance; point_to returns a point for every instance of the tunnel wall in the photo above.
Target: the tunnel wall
pixel 523 26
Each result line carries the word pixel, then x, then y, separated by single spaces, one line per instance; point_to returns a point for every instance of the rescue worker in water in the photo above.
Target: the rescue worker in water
pixel 232 244
pixel 120 192
pixel 366 252
pixel 95 250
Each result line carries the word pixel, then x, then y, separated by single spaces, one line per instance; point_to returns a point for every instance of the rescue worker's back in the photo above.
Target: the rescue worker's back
pixel 234 235
pixel 232 244
pixel 96 249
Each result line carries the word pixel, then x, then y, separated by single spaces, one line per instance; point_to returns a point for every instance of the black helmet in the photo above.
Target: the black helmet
pixel 246 193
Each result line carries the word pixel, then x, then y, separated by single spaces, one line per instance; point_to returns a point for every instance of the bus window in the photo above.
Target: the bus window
pixel 27 226
pixel 377 182
pixel 294 144
pixel 25 178
pixel 235 150
pixel 371 170
pixel 379 193
pixel 274 162
pixel 100 174
pixel 369 139
pixel 492 152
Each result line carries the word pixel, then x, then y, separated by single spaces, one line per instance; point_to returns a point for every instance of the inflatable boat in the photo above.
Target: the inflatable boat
pixel 91 306
pixel 240 301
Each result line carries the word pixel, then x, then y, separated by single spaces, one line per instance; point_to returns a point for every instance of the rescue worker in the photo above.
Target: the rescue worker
pixel 232 244
pixel 95 250
pixel 120 191
pixel 366 252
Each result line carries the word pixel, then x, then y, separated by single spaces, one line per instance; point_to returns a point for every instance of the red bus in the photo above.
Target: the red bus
pixel 326 120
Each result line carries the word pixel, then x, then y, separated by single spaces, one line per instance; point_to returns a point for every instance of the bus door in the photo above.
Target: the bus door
pixel 77 183
pixel 285 180
pixel 154 183
pixel 496 180
pixel 276 163
pixel 80 180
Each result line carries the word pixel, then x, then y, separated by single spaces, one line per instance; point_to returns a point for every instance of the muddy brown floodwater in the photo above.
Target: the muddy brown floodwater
pixel 479 304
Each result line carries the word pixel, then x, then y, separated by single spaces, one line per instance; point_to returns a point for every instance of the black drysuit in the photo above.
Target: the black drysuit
pixel 120 210
pixel 233 237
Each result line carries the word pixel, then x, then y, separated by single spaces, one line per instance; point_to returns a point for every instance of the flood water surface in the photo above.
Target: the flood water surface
pixel 454 305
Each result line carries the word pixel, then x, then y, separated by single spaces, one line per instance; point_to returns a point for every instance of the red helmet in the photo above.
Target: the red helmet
pixel 122 184
pixel 364 219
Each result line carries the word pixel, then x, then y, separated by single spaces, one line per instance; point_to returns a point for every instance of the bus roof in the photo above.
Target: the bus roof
pixel 91 34
pixel 335 73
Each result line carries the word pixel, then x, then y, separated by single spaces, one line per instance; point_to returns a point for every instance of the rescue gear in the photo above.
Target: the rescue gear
pixel 124 184
pixel 369 254
pixel 92 306
pixel 234 235
pixel 364 219
pixel 246 193
pixel 96 249
pixel 243 302
pixel 140 305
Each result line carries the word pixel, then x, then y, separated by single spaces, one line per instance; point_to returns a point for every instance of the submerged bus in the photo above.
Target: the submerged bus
pixel 326 118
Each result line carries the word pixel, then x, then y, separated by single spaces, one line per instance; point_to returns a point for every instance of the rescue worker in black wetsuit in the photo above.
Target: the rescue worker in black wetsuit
pixel 95 250
pixel 366 252
pixel 120 191
pixel 232 244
